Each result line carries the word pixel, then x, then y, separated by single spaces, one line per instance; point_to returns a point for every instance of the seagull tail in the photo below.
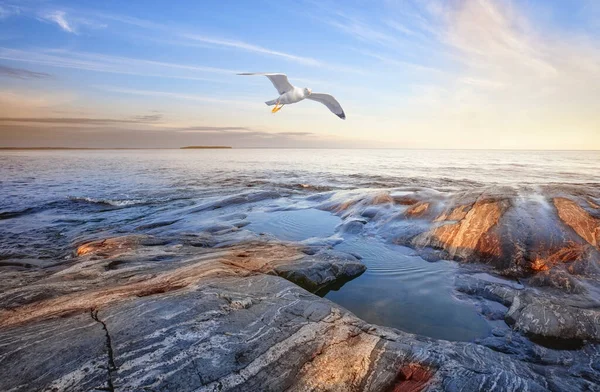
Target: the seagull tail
pixel 271 102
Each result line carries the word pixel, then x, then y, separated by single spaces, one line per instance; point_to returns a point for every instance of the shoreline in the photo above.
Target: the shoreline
pixel 226 307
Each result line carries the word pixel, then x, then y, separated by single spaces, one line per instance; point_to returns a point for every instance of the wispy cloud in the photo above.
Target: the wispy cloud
pixel 501 47
pixel 250 48
pixel 148 117
pixel 77 120
pixel 114 64
pixel 397 62
pixel 59 17
pixel 20 73
pixel 176 35
pixel 181 96
pixel 69 24
pixel 72 20
pixel 73 135
pixel 203 128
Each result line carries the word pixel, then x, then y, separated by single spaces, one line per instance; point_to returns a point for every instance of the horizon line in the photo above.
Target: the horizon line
pixel 285 148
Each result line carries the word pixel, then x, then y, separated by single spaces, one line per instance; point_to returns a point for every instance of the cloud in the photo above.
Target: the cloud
pixel 79 120
pixel 59 17
pixel 503 50
pixel 251 48
pixel 33 102
pixel 295 133
pixel 185 97
pixel 212 129
pixel 73 135
pixel 72 25
pixel 515 81
pixel 148 117
pixel 363 31
pixel 20 73
pixel 114 64
pixel 72 20
pixel 175 35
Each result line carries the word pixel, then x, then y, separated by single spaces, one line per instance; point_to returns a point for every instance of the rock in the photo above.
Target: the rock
pixel 370 212
pixel 352 226
pixel 586 226
pixel 314 276
pixel 470 236
pixel 491 291
pixel 456 214
pixel 499 226
pixel 416 210
pixel 234 311
pixel 110 246
pixel 540 317
pixel 288 339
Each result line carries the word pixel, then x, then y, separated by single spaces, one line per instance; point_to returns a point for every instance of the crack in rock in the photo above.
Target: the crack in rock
pixel 111 358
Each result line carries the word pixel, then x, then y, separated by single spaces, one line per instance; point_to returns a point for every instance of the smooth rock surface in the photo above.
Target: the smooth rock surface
pixel 179 317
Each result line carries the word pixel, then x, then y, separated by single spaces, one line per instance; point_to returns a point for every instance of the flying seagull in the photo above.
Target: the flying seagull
pixel 289 94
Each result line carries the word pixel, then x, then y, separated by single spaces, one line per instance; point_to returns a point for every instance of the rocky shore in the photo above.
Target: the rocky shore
pixel 226 309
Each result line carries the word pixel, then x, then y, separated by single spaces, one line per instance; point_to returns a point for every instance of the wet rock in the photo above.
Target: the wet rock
pixel 470 237
pixel 557 279
pixel 111 246
pixel 417 209
pixel 232 310
pixel 315 275
pixel 546 316
pixel 494 292
pixel 370 212
pixel 352 226
pixel 541 317
pixel 499 226
pixel 585 225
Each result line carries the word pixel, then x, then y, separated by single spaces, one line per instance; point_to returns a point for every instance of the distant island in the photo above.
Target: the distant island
pixel 202 147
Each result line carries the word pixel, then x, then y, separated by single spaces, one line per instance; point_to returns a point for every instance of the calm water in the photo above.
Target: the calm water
pixel 51 199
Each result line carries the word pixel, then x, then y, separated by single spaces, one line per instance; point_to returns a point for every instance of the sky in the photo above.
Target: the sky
pixel 456 74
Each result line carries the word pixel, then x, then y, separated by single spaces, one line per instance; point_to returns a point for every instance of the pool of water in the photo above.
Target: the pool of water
pixel 295 225
pixel 403 291
pixel 399 288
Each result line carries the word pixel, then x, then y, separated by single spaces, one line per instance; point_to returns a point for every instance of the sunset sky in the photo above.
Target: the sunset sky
pixel 409 73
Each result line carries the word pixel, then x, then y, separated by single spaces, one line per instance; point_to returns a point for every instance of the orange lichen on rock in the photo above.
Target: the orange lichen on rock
pixel 382 198
pixel 571 252
pixel 344 206
pixel 411 378
pixel 585 225
pixel 456 214
pixel 471 232
pixel 263 258
pixel 341 363
pixel 110 246
pixel 405 200
pixel 417 209
pixel 189 274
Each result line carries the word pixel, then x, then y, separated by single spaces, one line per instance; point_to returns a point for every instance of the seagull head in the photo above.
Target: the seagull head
pixel 307 91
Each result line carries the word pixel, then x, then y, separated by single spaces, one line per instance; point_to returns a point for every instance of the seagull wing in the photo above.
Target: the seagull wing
pixel 280 81
pixel 331 103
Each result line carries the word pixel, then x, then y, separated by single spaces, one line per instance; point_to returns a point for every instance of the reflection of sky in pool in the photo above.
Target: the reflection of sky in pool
pixel 399 289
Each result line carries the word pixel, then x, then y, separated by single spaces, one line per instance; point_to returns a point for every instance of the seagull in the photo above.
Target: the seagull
pixel 289 94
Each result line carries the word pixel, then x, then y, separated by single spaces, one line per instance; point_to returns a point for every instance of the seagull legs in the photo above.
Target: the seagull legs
pixel 277 108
